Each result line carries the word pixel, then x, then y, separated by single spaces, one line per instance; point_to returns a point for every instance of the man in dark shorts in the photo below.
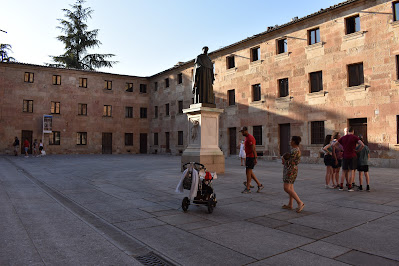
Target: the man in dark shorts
pixel 350 158
pixel 250 161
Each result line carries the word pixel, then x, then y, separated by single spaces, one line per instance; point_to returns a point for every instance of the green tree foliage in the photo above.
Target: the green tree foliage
pixel 4 50
pixel 78 39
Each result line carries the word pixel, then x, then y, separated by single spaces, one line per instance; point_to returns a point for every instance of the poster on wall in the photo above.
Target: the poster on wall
pixel 47 123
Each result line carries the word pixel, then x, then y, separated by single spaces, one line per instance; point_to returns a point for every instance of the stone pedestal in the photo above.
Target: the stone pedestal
pixel 203 137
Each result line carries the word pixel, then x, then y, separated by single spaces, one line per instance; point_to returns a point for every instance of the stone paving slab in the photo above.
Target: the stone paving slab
pixel 325 249
pixel 358 258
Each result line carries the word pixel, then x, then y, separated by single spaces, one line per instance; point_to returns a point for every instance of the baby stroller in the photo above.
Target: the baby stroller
pixel 204 191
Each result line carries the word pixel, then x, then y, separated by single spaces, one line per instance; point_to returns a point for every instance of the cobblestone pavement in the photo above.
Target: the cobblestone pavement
pixel 118 209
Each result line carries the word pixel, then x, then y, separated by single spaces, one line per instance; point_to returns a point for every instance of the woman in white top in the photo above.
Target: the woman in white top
pixel 242 154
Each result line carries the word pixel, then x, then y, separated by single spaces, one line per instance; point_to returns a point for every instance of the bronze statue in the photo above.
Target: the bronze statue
pixel 203 78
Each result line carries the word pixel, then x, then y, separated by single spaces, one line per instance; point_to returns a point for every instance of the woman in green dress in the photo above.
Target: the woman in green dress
pixel 290 162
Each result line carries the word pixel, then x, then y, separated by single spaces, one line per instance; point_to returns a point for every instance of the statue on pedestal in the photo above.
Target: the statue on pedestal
pixel 203 78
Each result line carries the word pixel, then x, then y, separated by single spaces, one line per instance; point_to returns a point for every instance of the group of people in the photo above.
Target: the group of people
pixel 290 161
pixel 350 152
pixel 37 148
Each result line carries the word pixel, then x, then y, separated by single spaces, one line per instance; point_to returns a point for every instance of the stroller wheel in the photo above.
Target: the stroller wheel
pixel 210 205
pixel 185 204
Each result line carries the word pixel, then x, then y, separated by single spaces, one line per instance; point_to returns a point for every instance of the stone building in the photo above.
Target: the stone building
pixel 310 77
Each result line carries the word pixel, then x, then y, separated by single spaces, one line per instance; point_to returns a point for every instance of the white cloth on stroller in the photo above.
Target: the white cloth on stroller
pixel 194 183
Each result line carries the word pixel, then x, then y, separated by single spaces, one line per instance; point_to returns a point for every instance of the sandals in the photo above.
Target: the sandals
pixel 300 208
pixel 286 207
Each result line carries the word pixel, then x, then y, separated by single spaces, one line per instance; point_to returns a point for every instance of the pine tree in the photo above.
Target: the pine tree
pixel 78 39
pixel 4 50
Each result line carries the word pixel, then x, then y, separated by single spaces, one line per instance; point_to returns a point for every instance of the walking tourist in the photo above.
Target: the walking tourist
pixel 349 157
pixel 26 147
pixel 363 165
pixel 35 148
pixel 242 153
pixel 16 146
pixel 290 162
pixel 250 161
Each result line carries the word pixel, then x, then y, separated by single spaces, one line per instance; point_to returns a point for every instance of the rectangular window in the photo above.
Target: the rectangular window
pixel 129 87
pixel 155 111
pixel 107 110
pixel 352 24
pixel 128 139
pixel 283 87
pixel 397 67
pixel 83 82
pixel 257 130
pixel 55 108
pixel 232 97
pixel 56 80
pixel 180 106
pixel 28 106
pixel 82 109
pixel 167 83
pixel 355 75
pixel 155 86
pixel 230 62
pixel 317 132
pixel 108 84
pixel 314 36
pixel 55 138
pixel 129 112
pixel 143 88
pixel 81 138
pixel 155 139
pixel 395 6
pixel 28 77
pixel 397 129
pixel 256 92
pixel 255 54
pixel 282 46
pixel 180 78
pixel 316 81
pixel 180 138
pixel 143 112
pixel 167 109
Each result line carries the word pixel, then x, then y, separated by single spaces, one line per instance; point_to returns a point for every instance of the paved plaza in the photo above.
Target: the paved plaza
pixel 120 209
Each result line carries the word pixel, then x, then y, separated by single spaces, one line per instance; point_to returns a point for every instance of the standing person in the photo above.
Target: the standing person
pixel 40 147
pixel 338 151
pixel 250 161
pixel 350 160
pixel 363 165
pixel 290 162
pixel 35 147
pixel 328 159
pixel 16 146
pixel 26 146
pixel 242 153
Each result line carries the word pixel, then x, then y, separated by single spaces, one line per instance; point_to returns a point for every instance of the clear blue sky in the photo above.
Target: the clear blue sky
pixel 147 36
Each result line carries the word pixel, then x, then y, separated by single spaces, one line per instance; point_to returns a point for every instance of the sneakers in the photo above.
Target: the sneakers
pixel 246 191
pixel 368 188
pixel 260 188
pixel 341 188
pixel 245 184
pixel 350 189
pixel 360 188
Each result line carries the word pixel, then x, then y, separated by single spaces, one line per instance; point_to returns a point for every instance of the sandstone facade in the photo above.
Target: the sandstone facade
pixel 357 66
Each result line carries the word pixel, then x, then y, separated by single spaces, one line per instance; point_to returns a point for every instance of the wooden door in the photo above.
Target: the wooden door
pixel 360 127
pixel 233 140
pixel 26 134
pixel 167 141
pixel 143 143
pixel 107 143
pixel 285 138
